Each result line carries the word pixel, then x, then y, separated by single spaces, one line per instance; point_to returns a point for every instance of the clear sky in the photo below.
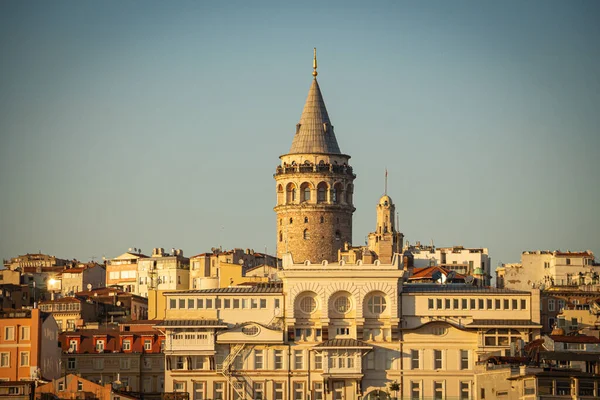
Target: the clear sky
pixel 159 124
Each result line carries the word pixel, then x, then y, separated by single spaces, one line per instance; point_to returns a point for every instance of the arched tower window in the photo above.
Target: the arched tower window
pixel 291 193
pixel 280 236
pixel 336 194
pixel 305 191
pixel 280 197
pixel 349 190
pixel 306 234
pixel 291 221
pixel 322 219
pixel 306 220
pixel 322 192
pixel 338 235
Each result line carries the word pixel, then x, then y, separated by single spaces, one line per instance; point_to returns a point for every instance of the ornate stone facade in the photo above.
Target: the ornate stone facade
pixel 314 187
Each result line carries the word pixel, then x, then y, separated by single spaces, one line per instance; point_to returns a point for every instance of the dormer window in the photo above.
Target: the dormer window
pixel 100 346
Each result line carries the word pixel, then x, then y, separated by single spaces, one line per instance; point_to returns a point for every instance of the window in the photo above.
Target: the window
pixel 276 303
pixel 278 359
pixel 464 304
pixel 501 337
pixel 71 363
pixel 473 304
pixel 25 333
pixel 79 386
pixel 318 391
pixel 438 304
pixel 253 303
pixel 465 391
pixel 179 362
pixel 515 304
pixel 209 303
pixel 181 303
pixel 455 304
pixel 61 386
pixel 298 359
pixel 341 359
pixel 100 346
pixel 308 305
pixel 414 359
pixel 127 344
pixel 199 303
pixel 244 303
pixel 72 345
pixel 568 261
pixel 259 390
pixel 172 303
pixel 236 303
pixel 190 303
pixel 524 304
pixel 318 361
pixel 550 304
pixel 199 391
pixel 258 359
pixel 226 303
pixel 298 390
pixel 376 304
pixel 178 386
pixel 218 390
pixel 430 304
pixel 437 359
pixel 306 234
pixel 415 390
pixel 263 303
pixel 98 363
pixel 125 363
pixel 489 304
pixel 9 333
pixel 278 390
pixel 480 304
pixel 586 388
pixel 147 363
pixel 464 359
pixel 342 331
pixel 506 304
pixel 498 304
pixel 24 358
pixel 438 390
pixel 147 344
pixel 342 304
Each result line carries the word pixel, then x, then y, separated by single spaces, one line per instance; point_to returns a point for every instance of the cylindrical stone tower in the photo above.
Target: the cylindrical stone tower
pixel 314 188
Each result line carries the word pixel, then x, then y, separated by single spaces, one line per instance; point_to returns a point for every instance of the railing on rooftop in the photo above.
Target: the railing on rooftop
pixel 305 168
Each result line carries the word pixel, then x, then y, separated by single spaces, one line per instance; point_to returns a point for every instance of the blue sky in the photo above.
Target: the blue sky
pixel 159 124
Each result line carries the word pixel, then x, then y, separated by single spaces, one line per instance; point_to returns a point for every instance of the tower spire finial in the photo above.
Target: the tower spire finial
pixel 315 73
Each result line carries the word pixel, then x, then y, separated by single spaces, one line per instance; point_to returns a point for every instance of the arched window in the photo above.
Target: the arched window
pixel 306 220
pixel 376 304
pixel 291 221
pixel 306 234
pixel 280 196
pixel 280 236
pixel 349 190
pixel 322 192
pixel 342 304
pixel 291 193
pixel 322 219
pixel 308 305
pixel 338 236
pixel 305 191
pixel 336 194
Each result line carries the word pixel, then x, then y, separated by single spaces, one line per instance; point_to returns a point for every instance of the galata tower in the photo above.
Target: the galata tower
pixel 314 187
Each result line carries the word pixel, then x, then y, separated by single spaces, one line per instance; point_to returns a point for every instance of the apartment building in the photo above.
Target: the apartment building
pixel 123 270
pixel 129 356
pixel 70 312
pixel 83 277
pixel 28 349
pixel 163 271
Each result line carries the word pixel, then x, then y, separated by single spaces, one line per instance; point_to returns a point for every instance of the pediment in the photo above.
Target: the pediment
pixel 250 332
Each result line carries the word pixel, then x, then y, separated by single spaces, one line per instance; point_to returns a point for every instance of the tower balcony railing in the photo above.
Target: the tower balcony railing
pixel 304 168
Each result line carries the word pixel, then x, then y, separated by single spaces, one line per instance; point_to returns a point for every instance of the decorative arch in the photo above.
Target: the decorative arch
pixel 291 195
pixel 305 192
pixel 307 304
pixel 336 193
pixel 322 189
pixel 280 194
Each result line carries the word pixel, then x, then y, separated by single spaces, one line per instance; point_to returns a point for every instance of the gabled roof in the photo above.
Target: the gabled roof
pixel 427 273
pixel 314 133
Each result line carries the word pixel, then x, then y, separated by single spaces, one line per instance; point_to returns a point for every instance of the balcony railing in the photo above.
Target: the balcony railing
pixel 303 168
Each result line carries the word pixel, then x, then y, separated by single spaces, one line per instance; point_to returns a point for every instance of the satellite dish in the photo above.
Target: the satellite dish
pixel 241 262
pixel 436 276
pixel 89 286
pixel 130 249
pixel 451 275
pixel 469 280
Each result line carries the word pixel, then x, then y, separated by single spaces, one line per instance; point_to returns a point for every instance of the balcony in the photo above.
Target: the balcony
pixel 304 168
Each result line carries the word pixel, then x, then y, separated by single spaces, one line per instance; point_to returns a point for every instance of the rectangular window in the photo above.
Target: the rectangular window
pixel 550 304
pixel 277 303
pixel 278 390
pixel 98 363
pixel 438 390
pixel 127 344
pixel 464 359
pixel 217 303
pixel 506 304
pixel 298 359
pixel 4 359
pixel 181 304
pixel 464 304
pixel 24 359
pixel 455 304
pixel 71 363
pixel 172 304
pixel 415 390
pixel 489 304
pixel 218 390
pixel 438 304
pixel 278 359
pixel 258 359
pixel 9 333
pixel 465 391
pixel 100 346
pixel 515 304
pixel 179 363
pixel 79 386
pixel 447 304
pixel 430 304
pixel 481 301
pixel 199 303
pixel 147 344
pixel 226 303
pixel 259 390
pixel 318 391
pixel 414 359
pixel 437 359
pixel 209 303
pixel 298 390
pixel 61 386
pixel 318 361
pixel 253 303
pixel 190 303
pixel 125 363
pixel 199 391
pixel 473 304
pixel 497 305
pixel 25 333
pixel 178 386
pixel 524 304
pixel 236 303
pixel 263 303
pixel 244 303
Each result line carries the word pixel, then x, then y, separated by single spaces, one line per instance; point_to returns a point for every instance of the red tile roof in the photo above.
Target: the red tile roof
pixel 574 339
pixel 427 273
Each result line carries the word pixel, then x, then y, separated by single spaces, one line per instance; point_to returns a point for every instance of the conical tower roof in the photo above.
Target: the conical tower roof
pixel 314 133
